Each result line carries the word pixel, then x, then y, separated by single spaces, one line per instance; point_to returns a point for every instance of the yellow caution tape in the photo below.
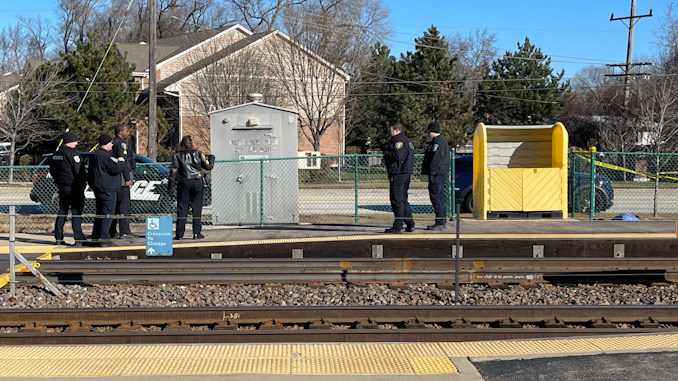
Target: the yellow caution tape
pixel 622 169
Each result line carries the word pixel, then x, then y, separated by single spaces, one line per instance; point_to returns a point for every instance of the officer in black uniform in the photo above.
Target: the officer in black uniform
pixel 68 172
pixel 436 165
pixel 123 207
pixel 103 178
pixel 187 167
pixel 399 160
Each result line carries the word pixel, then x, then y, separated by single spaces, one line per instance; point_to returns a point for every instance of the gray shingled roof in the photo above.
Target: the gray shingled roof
pixel 137 53
pixel 210 60
pixel 8 80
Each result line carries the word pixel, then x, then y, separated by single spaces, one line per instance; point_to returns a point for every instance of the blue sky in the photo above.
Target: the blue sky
pixel 574 33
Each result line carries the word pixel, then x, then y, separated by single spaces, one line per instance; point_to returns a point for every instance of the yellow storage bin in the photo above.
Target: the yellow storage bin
pixel 520 169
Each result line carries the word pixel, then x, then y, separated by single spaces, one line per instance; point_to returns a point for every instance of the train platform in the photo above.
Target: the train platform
pixel 631 357
pixel 567 238
pixel 468 227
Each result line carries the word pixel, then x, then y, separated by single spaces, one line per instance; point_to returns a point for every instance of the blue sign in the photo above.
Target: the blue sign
pixel 158 235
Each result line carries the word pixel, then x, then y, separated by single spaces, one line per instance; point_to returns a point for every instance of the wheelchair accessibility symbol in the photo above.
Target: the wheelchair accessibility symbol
pixel 153 224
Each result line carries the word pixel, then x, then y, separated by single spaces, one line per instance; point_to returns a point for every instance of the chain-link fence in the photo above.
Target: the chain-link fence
pixel 639 183
pixel 327 189
pixel 343 189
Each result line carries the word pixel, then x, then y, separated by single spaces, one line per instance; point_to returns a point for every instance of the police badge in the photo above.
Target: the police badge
pixel 399 145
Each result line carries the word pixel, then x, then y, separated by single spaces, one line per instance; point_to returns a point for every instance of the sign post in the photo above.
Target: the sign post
pixel 158 235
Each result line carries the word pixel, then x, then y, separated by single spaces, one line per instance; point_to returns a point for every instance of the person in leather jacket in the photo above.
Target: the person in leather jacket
pixel 187 171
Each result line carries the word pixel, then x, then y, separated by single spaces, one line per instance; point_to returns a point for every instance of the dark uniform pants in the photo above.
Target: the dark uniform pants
pixel 436 191
pixel 398 185
pixel 105 207
pixel 122 208
pixel 189 191
pixel 73 199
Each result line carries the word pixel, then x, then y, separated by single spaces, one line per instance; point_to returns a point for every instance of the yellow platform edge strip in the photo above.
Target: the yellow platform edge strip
pixel 296 359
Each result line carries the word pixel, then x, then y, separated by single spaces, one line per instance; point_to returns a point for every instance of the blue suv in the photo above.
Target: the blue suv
pixel 581 194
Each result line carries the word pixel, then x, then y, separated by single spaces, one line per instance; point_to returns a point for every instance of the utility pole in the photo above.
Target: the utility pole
pixel 629 50
pixel 152 86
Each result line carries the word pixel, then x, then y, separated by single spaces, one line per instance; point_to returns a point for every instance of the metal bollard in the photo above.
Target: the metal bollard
pixel 12 275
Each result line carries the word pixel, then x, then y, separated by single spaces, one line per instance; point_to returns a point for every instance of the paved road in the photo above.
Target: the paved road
pixel 342 201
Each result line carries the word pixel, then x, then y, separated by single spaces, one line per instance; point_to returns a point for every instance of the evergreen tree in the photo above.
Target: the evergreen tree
pixel 434 91
pixel 111 98
pixel 521 89
pixel 372 104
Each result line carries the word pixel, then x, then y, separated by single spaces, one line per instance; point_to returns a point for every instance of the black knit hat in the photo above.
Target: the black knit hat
pixel 104 139
pixel 433 127
pixel 69 137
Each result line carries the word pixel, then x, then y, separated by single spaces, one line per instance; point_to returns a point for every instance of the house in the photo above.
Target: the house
pixel 215 69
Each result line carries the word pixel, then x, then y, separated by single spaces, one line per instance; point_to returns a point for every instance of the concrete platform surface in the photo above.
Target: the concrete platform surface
pixel 619 358
pixel 469 228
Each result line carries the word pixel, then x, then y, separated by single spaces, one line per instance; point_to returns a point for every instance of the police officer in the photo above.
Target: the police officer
pixel 122 195
pixel 68 172
pixel 399 160
pixel 187 167
pixel 103 178
pixel 436 165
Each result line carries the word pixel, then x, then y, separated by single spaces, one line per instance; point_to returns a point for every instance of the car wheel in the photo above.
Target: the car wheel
pixel 582 202
pixel 467 204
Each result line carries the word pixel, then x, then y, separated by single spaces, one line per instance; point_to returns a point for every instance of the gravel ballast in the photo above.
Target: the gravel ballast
pixel 112 296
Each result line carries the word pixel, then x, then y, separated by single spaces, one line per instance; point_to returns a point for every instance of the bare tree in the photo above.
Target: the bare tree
pixel 658 114
pixel 343 33
pixel 596 103
pixel 38 35
pixel 658 111
pixel 475 52
pixel 314 87
pixel 262 15
pixel 13 52
pixel 23 109
pixel 173 18
pixel 224 79
pixel 76 18
pixel 667 39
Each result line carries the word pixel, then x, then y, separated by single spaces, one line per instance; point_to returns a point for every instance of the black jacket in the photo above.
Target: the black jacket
pixel 104 171
pixel 399 155
pixel 67 168
pixel 188 165
pixel 120 149
pixel 436 157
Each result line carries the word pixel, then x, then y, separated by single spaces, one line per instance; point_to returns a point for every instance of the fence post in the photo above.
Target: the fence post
pixel 592 211
pixel 571 193
pixel 12 275
pixel 261 192
pixel 452 186
pixel 355 164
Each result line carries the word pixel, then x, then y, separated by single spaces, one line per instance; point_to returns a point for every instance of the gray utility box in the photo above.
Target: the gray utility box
pixel 254 131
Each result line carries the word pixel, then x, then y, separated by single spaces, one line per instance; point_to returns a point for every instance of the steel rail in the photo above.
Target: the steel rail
pixel 304 271
pixel 323 324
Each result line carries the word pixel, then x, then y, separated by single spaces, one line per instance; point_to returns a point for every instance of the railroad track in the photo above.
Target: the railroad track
pixel 327 324
pixel 357 271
